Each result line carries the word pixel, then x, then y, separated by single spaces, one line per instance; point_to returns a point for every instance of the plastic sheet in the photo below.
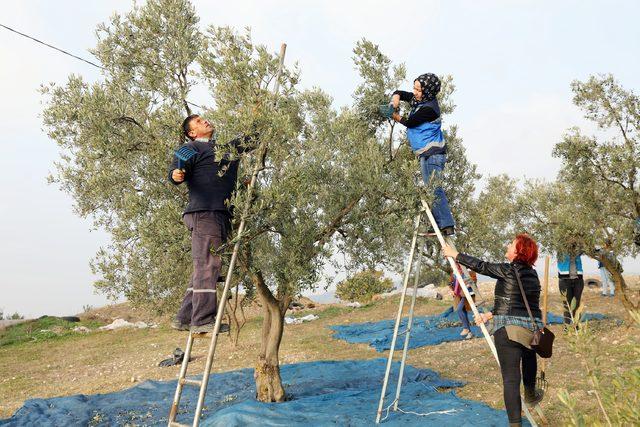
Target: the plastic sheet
pixel 426 330
pixel 330 393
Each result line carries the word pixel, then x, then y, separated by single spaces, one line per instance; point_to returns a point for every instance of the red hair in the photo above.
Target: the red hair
pixel 526 249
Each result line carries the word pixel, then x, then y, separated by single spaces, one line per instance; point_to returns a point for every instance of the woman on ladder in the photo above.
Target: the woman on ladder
pixel 424 131
pixel 512 327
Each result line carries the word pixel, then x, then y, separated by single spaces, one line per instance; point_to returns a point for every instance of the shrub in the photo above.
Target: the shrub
pixel 431 275
pixel 363 286
pixel 43 329
pixel 618 396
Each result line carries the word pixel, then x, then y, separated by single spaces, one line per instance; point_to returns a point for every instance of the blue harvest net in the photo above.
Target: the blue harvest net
pixel 426 330
pixel 327 393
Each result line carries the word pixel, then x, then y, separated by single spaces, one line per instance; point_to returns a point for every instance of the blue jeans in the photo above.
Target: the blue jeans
pixel 607 282
pixel 462 314
pixel 432 167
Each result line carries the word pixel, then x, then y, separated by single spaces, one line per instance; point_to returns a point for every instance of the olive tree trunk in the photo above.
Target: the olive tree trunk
pixel 622 290
pixel 267 369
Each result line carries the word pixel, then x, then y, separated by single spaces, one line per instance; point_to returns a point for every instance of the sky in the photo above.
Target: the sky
pixel 512 64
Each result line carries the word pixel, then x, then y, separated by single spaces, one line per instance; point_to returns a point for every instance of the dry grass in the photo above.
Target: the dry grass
pixel 108 361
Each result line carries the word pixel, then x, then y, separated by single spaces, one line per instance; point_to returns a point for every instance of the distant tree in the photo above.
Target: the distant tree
pixel 15 316
pixel 597 195
pixel 493 217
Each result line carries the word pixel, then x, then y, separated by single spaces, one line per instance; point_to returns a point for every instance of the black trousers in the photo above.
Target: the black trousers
pixel 209 230
pixel 511 355
pixel 570 289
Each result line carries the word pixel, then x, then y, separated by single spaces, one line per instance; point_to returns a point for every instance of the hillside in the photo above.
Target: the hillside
pixel 106 361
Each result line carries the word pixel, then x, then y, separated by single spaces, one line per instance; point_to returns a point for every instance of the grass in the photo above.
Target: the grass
pixel 43 329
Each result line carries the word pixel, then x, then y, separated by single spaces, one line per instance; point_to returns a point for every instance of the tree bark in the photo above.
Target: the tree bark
pixel 267 369
pixel 236 322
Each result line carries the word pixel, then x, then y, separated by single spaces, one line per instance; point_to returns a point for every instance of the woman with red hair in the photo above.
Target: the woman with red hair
pixel 512 326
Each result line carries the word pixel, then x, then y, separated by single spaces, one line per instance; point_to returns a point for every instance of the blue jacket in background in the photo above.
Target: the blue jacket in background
pixel 427 139
pixel 563 264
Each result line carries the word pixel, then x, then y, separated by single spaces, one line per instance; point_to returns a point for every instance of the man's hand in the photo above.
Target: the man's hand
pixel 483 318
pixel 395 101
pixel 448 251
pixel 177 175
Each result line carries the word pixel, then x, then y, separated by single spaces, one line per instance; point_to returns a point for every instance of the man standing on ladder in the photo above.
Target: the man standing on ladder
pixel 424 131
pixel 211 180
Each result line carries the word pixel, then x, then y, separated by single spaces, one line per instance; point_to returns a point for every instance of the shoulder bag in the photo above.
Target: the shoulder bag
pixel 542 340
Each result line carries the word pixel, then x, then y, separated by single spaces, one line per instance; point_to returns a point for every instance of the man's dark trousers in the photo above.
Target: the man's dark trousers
pixel 209 230
pixel 570 289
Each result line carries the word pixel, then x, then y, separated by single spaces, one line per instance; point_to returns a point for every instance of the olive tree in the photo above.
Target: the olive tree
pixel 332 180
pixel 596 198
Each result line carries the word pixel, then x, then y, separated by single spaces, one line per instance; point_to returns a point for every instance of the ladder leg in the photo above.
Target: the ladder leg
pixel 463 286
pixel 183 372
pixel 409 326
pixel 216 328
pixel 538 410
pixel 399 317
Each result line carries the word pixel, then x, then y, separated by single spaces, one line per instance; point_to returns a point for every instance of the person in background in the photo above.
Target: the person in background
pixel 461 304
pixel 608 287
pixel 607 281
pixel 512 326
pixel 570 282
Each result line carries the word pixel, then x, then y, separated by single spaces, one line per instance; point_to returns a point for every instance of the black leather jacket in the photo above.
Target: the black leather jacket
pixel 508 298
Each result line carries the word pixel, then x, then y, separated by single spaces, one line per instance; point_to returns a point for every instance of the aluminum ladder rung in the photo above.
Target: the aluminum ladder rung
pixel 426 235
pixel 196 383
pixel 177 424
pixel 404 332
pixel 200 335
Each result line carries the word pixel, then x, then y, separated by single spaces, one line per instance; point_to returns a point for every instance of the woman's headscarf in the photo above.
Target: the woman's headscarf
pixel 430 84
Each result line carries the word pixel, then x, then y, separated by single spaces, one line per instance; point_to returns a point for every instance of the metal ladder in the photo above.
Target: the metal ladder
pixel 407 332
pixel 203 383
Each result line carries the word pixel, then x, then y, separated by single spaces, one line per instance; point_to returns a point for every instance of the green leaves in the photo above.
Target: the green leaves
pixel 603 170
pixel 336 185
pixel 363 285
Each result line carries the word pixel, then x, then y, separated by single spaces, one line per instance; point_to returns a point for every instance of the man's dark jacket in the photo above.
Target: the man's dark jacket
pixel 508 298
pixel 211 181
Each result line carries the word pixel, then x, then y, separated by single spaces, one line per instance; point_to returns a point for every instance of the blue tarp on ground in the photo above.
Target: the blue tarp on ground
pixel 330 393
pixel 426 330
